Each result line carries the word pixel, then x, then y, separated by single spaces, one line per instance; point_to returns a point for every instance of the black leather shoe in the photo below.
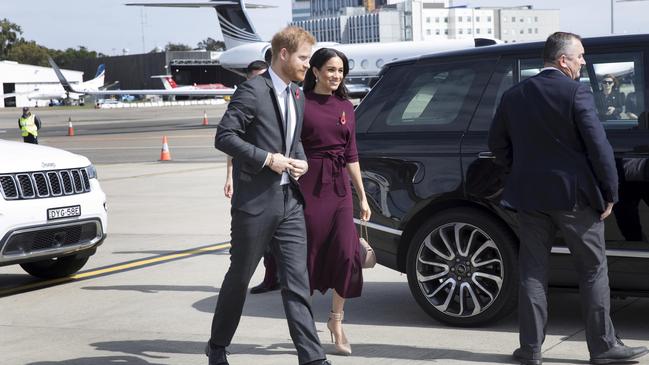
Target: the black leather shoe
pixel 216 356
pixel 319 362
pixel 526 357
pixel 263 288
pixel 619 354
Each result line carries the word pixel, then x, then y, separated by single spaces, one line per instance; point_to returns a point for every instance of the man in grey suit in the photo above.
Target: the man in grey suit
pixel 562 176
pixel 261 131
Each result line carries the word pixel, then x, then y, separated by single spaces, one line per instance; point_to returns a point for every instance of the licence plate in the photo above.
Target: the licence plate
pixel 64 212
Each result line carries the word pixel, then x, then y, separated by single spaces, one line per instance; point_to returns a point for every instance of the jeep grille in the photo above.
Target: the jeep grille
pixel 44 184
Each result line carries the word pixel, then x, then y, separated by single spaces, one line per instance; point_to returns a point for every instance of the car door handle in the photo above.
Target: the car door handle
pixel 486 155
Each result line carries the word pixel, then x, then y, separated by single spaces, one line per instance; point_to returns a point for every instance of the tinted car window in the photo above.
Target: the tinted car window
pixel 433 97
pixel 616 80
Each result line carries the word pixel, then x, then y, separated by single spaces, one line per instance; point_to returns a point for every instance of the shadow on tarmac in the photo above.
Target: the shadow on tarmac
pixel 153 348
pixel 102 360
pixel 377 307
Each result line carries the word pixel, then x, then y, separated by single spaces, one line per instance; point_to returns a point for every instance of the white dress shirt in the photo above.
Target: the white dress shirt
pixel 280 91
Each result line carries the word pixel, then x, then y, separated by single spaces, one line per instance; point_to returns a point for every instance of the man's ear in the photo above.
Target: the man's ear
pixel 283 54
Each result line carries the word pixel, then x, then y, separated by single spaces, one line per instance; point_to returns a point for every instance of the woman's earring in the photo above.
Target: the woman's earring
pixel 316 80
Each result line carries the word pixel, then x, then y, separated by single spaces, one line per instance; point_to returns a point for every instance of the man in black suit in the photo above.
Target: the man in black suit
pixel 562 176
pixel 261 131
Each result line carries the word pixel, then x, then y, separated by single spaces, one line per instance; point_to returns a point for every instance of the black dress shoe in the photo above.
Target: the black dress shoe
pixel 263 288
pixel 526 357
pixel 319 362
pixel 216 356
pixel 619 353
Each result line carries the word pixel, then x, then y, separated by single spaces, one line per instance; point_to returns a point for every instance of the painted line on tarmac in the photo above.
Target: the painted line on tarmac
pixel 1 131
pixel 114 269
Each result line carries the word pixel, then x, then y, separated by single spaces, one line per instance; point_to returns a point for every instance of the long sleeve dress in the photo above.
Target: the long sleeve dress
pixel 328 137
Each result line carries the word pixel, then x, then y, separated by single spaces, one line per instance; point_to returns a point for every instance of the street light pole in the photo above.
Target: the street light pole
pixel 612 16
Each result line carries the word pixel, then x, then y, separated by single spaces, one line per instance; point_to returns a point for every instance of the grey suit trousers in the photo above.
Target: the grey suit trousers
pixel 583 232
pixel 281 226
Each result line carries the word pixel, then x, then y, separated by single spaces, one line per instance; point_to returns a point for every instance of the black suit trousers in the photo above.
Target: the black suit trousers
pixel 281 226
pixel 583 232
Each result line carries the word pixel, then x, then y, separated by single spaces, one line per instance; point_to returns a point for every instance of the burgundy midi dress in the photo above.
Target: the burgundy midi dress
pixel 328 137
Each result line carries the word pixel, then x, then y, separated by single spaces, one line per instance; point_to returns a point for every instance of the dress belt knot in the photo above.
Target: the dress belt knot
pixel 332 169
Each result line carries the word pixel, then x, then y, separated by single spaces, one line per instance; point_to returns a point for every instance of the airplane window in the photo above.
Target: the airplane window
pixel 351 64
pixel 379 63
pixel 365 63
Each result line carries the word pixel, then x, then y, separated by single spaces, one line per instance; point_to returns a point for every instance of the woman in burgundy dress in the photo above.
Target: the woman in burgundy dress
pixel 328 137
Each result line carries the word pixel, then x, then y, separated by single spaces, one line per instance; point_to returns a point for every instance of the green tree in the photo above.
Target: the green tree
pixel 28 52
pixel 177 47
pixel 71 55
pixel 210 44
pixel 9 35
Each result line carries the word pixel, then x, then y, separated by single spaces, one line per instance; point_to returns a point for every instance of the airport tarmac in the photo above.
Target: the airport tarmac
pixel 147 296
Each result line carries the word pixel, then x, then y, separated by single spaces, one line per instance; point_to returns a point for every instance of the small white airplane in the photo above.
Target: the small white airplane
pixel 244 45
pixel 55 91
pixel 194 92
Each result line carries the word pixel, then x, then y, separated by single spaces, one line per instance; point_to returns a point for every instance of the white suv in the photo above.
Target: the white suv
pixel 52 209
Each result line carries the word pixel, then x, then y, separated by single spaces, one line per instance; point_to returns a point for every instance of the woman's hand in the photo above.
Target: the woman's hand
pixel 366 213
pixel 228 190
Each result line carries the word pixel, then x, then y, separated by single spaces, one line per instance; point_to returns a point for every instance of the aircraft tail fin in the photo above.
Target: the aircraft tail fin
pixel 167 81
pixel 64 82
pixel 233 18
pixel 100 70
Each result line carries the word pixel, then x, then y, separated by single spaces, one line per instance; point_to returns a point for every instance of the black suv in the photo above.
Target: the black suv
pixel 435 191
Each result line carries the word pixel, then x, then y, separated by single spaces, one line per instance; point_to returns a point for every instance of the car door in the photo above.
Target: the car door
pixel 628 133
pixel 618 80
pixel 409 130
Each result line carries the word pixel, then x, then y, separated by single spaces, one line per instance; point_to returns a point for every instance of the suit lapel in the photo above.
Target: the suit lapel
pixel 298 101
pixel 278 112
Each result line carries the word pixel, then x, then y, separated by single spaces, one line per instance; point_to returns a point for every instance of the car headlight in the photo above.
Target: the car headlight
pixel 92 172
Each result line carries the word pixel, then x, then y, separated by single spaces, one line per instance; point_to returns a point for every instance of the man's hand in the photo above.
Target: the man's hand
pixel 298 168
pixel 279 163
pixel 607 212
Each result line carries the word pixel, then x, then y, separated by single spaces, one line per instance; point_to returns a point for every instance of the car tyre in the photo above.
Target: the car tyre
pixel 56 267
pixel 462 268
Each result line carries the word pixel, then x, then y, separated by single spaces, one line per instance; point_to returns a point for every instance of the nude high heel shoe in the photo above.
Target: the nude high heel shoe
pixel 343 347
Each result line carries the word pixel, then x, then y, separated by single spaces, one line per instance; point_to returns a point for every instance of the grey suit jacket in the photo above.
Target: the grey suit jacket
pixel 251 127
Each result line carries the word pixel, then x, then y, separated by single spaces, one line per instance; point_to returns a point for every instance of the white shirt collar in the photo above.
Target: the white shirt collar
pixel 278 84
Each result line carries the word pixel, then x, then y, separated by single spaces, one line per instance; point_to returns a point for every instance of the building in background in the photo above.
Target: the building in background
pixel 364 21
pixel 524 24
pixel 22 81
pixel 301 9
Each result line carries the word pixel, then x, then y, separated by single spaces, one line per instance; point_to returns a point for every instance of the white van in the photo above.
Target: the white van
pixel 52 209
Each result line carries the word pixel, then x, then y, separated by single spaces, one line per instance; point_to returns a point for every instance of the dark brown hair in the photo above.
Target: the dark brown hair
pixel 319 58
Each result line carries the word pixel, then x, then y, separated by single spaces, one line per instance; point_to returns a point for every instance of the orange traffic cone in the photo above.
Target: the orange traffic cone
pixel 70 129
pixel 164 154
pixel 205 118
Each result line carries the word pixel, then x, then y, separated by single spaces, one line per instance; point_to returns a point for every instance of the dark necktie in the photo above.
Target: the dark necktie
pixel 288 123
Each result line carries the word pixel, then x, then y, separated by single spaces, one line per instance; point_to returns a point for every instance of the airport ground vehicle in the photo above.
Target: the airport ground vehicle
pixel 52 209
pixel 435 191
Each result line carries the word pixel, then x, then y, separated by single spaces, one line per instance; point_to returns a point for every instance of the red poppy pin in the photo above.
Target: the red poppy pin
pixel 297 94
pixel 343 120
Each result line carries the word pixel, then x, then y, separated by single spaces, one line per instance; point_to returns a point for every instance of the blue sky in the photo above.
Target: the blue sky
pixel 108 26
